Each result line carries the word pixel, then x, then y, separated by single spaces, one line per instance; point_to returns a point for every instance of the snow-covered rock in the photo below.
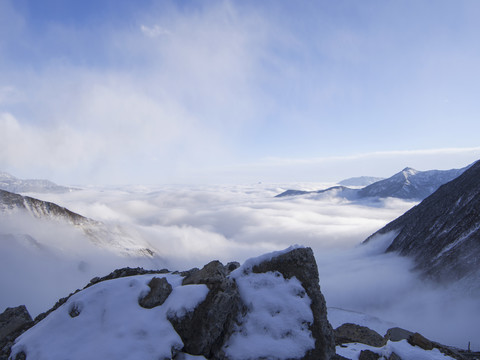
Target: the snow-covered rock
pixel 271 307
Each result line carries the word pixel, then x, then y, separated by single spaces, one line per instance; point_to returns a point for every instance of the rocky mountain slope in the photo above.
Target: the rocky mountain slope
pixel 14 203
pixel 442 233
pixel 408 184
pixel 13 184
pixel 112 237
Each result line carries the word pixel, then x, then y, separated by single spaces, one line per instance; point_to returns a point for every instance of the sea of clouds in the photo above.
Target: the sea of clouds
pixel 189 226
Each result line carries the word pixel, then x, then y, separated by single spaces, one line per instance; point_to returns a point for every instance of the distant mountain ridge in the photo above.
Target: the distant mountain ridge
pixel 442 233
pixel 360 181
pixel 15 185
pixel 408 184
pixel 11 202
pixel 112 237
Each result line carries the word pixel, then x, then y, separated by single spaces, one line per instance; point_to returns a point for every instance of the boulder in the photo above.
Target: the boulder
pixel 419 340
pixel 212 274
pixel 394 356
pixel 397 334
pixel 300 263
pixel 159 291
pixel 368 355
pixel 350 333
pixel 205 329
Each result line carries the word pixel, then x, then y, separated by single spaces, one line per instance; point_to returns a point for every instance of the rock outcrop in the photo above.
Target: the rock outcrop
pixel 300 263
pixel 217 309
pixel 13 321
pixel 351 333
pixel 205 329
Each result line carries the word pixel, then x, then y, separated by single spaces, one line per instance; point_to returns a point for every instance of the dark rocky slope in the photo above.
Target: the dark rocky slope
pixel 11 202
pixel 442 233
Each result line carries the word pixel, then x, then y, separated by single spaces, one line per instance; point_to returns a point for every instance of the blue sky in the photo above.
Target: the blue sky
pixel 234 91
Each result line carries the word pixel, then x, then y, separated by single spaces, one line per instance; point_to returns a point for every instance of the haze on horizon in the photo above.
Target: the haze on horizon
pixel 115 91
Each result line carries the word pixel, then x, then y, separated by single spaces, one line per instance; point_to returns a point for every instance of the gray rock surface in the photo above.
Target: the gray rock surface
pixel 397 334
pixel 13 321
pixel 368 355
pixel 350 333
pixel 159 291
pixel 301 263
pixel 205 330
pixel 421 341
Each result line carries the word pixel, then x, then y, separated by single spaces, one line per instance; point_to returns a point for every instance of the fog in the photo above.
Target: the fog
pixel 189 226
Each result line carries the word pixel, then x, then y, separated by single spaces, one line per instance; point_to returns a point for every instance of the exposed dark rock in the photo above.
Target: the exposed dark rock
pixel 205 330
pixel 397 334
pixel 211 274
pixel 21 356
pixel 118 273
pixel 419 340
pixel 13 322
pixel 350 333
pixel 368 355
pixel 394 356
pixel 338 357
pixel 232 266
pixel 74 311
pixel 300 263
pixel 159 291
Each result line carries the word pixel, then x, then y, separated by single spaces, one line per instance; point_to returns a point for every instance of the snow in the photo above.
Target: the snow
pixel 338 317
pixel 111 324
pixel 401 348
pixel 250 263
pixel 278 318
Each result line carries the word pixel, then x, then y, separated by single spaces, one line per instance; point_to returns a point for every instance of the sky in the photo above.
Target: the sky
pixel 158 92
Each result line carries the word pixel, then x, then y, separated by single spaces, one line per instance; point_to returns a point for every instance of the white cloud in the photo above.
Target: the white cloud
pixel 154 31
pixel 190 226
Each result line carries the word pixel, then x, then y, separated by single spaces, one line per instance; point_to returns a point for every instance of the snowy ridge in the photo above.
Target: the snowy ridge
pixel 407 184
pixel 112 237
pixel 11 183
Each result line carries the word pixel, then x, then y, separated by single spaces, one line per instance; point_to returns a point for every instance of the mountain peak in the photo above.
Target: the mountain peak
pixel 410 171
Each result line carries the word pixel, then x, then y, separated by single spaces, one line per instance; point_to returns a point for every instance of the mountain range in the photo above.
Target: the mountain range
pixel 442 233
pixel 112 237
pixel 408 184
pixel 13 184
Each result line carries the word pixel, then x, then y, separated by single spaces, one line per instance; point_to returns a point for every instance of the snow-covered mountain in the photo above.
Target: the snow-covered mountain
pixel 442 233
pixel 13 184
pixel 114 238
pixel 360 181
pixel 408 184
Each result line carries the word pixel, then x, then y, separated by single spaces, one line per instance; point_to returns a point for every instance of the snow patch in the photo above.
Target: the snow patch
pixel 105 321
pixel 278 318
pixel 401 348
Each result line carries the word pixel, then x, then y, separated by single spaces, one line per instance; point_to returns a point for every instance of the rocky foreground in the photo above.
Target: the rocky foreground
pixel 271 307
